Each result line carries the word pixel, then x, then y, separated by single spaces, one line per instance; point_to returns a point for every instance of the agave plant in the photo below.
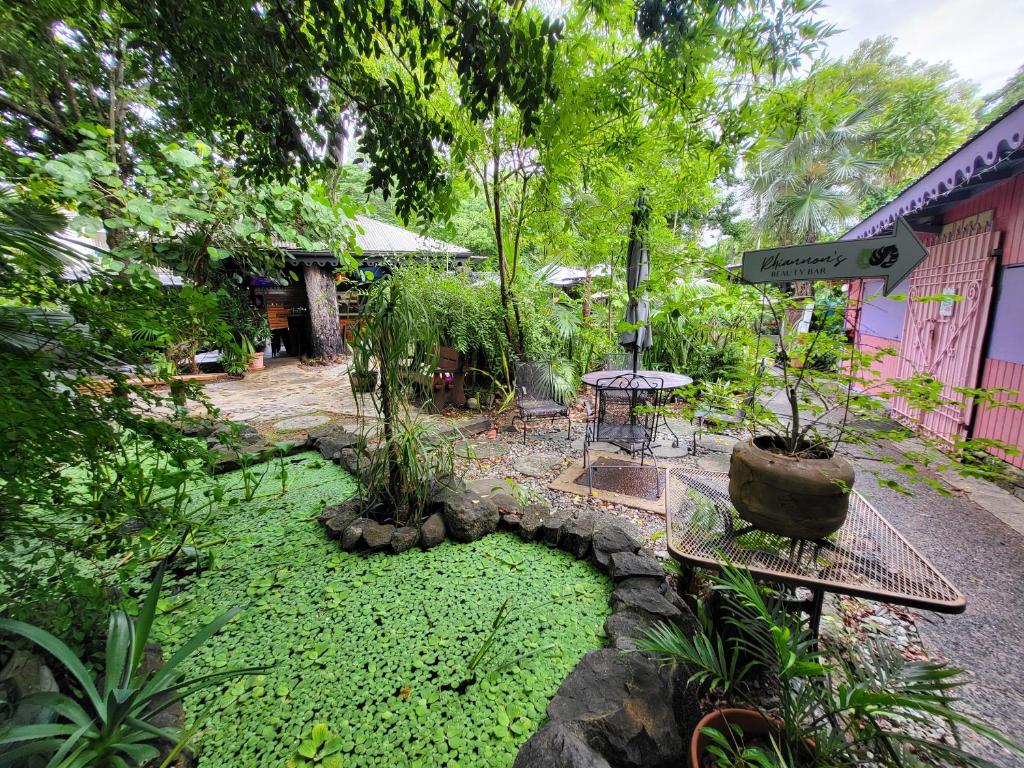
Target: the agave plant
pixel 112 724
pixel 828 714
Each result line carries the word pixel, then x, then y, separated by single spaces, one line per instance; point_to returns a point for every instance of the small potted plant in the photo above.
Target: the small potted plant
pixel 825 713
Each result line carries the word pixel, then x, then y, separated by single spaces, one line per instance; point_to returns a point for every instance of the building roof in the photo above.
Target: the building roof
pixel 379 240
pixel 565 277
pixel 995 153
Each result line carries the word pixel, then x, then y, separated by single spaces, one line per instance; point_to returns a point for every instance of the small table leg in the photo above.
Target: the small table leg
pixel 684 584
pixel 815 609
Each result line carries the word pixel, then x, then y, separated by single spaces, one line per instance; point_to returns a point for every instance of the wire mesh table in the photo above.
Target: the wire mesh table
pixel 867 557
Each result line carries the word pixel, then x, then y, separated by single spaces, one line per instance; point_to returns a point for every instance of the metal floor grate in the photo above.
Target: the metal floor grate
pixel 867 557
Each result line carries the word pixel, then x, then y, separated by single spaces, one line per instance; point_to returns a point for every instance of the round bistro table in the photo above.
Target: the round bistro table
pixel 659 381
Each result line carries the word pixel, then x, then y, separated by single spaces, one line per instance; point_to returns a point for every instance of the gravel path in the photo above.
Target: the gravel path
pixel 984 558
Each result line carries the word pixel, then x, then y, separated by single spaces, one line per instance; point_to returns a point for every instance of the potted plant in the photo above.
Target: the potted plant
pixel 825 713
pixel 788 477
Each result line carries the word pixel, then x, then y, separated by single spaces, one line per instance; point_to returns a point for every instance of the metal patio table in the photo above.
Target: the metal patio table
pixel 866 558
pixel 666 381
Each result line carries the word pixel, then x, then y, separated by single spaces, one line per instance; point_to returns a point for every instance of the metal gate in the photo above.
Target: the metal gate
pixel 944 339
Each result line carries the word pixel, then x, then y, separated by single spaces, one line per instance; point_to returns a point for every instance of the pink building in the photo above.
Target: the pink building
pixel 969 211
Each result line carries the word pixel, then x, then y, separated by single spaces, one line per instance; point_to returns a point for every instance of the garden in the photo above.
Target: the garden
pixel 477 564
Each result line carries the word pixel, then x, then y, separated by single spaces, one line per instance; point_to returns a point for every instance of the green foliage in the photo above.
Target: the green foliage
pixel 112 723
pixel 828 714
pixel 998 102
pixel 377 646
pixel 705 329
pixel 467 316
pixel 849 135
pixel 321 748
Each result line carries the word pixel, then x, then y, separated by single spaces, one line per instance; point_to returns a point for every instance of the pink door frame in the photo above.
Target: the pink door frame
pixel 945 339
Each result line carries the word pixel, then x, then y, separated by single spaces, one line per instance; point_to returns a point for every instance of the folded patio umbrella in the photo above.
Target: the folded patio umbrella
pixel 638 270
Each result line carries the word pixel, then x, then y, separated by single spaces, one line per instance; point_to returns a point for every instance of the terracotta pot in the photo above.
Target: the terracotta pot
pixel 256 361
pixel 752 723
pixel 798 497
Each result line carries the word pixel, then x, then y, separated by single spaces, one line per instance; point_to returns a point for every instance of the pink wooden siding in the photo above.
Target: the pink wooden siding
pixel 1007 200
pixel 1006 425
pixel 883 369
pixel 1003 424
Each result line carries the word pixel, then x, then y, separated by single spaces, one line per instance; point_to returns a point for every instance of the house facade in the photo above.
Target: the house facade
pixel 969 213
pixel 381 247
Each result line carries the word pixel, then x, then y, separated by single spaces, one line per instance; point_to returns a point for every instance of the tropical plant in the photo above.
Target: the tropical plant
pixel 807 180
pixel 828 713
pixel 399 345
pixel 113 724
pixel 321 748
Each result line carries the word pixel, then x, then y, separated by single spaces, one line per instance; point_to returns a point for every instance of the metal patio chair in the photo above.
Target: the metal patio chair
pixel 535 396
pixel 625 422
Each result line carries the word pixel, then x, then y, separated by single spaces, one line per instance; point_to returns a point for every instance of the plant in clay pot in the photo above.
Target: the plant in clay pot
pixel 788 477
pixel 866 708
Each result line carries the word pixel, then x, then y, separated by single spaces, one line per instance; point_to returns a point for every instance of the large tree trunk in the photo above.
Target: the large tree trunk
pixel 322 296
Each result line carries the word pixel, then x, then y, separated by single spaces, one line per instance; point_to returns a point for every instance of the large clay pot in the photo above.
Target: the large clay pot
pixel 752 723
pixel 798 497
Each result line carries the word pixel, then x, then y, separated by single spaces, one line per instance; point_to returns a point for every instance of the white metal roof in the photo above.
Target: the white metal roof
pixel 379 237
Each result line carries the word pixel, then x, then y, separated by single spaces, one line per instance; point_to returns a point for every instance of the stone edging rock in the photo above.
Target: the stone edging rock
pixel 617 707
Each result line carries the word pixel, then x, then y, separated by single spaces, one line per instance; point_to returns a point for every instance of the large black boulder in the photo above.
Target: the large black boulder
pixel 621 705
pixel 611 535
pixel 432 531
pixel 623 628
pixel 377 536
pixel 624 565
pixel 404 538
pixel 646 599
pixel 473 513
pixel 557 746
pixel 332 442
pixel 577 533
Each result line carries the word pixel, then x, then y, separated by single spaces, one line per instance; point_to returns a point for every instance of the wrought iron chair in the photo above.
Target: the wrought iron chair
pixel 616 361
pixel 535 396
pixel 623 361
pixel 628 425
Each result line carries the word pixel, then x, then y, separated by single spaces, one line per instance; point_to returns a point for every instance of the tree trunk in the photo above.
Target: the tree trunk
pixel 588 291
pixel 499 243
pixel 322 297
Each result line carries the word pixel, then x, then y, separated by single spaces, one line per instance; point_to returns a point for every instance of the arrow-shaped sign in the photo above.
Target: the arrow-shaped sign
pixel 890 257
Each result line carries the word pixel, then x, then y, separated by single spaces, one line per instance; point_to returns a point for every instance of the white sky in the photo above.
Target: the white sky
pixel 983 39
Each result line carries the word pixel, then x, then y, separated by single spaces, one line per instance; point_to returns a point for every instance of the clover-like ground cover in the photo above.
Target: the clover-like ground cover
pixel 376 646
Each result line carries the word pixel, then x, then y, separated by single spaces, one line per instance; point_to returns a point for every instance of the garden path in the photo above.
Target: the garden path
pixel 284 389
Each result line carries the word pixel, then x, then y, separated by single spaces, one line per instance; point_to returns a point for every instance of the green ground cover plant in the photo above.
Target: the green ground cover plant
pixel 378 648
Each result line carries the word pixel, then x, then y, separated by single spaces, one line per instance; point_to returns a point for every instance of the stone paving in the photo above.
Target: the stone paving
pixel 284 390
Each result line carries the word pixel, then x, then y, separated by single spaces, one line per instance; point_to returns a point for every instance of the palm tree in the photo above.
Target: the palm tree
pixel 807 183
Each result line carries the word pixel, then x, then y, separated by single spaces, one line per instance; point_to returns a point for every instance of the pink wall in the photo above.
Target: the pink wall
pixel 1003 424
pixel 882 369
pixel 1007 200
